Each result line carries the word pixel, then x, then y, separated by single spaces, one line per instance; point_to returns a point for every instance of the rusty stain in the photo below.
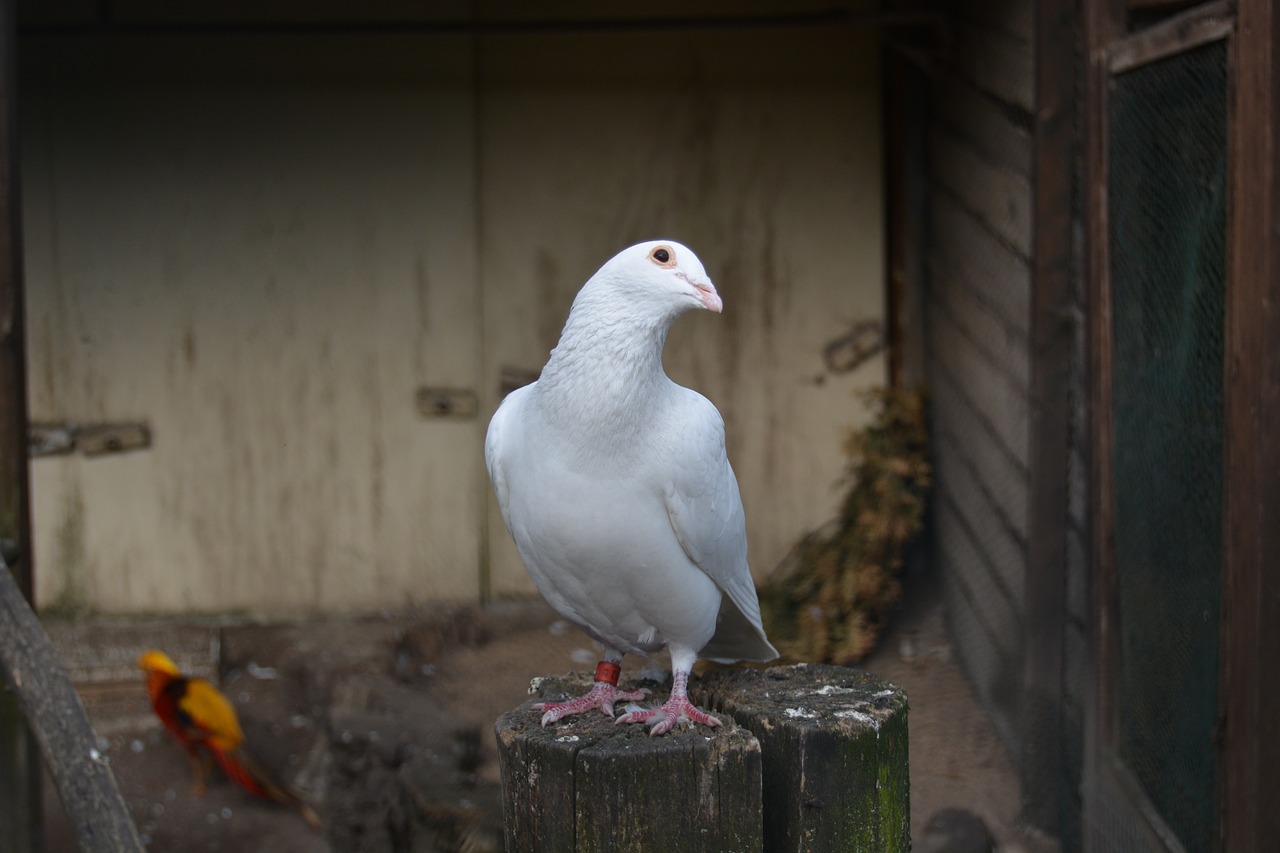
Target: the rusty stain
pixel 377 461
pixel 422 294
pixel 189 346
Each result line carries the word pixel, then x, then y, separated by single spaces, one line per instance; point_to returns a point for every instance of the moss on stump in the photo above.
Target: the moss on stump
pixel 834 748
pixel 816 761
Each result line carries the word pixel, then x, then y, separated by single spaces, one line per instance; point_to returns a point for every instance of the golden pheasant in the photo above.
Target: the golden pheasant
pixel 203 720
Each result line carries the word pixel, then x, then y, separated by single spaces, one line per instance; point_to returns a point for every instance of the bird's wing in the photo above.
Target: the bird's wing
pixel 497 446
pixel 211 713
pixel 706 513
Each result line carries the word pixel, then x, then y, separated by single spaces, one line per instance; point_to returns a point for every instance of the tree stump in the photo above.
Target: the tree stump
pixel 584 784
pixel 834 749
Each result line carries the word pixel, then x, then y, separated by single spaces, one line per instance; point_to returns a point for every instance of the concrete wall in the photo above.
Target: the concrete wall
pixel 262 246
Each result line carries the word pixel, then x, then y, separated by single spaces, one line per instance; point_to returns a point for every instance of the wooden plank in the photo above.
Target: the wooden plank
pixel 995 676
pixel 833 742
pixel 1000 198
pixel 997 63
pixel 992 467
pixel 1003 345
pixel 1001 607
pixel 1000 276
pixel 1052 340
pixel 1013 17
pixel 1206 23
pixel 1002 404
pixel 1078 472
pixel 1103 821
pixel 1077 594
pixel 585 784
pixel 988 526
pixel 985 122
pixel 904 153
pixel 1076 663
pixel 996 470
pixel 1101 20
pixel 1249 779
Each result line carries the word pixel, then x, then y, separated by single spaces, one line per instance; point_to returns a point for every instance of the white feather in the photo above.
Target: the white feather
pixel 614 481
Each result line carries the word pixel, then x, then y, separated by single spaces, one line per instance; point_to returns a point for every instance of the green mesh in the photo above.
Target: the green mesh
pixel 1167 232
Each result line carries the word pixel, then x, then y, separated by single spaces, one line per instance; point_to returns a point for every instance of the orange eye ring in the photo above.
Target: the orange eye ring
pixel 663 256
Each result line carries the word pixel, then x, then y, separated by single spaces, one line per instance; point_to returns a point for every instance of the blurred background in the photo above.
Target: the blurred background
pixel 283 260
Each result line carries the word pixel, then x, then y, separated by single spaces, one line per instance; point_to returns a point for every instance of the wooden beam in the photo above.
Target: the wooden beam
pixel 20 821
pixel 1052 332
pixel 1249 696
pixel 96 811
pixel 1201 25
pixel 1102 20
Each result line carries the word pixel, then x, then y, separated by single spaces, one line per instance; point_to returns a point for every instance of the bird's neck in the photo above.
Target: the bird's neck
pixel 607 368
pixel 156 683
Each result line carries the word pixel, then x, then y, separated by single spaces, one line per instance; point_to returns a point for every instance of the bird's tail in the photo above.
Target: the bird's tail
pixel 242 770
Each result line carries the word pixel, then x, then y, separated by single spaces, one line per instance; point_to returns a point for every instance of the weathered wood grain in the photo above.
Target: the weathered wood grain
pixel 990 391
pixel 997 274
pixel 994 471
pixel 817 761
pixel 998 196
pixel 997 62
pixel 585 784
pixel 985 122
pixel 91 801
pixel 834 746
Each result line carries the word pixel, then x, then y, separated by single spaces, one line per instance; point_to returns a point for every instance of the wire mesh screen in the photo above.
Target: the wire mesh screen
pixel 1167 232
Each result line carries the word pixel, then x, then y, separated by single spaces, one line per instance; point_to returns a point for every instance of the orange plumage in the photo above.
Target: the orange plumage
pixel 203 720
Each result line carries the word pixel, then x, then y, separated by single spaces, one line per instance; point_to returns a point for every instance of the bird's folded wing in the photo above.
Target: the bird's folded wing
pixel 497 447
pixel 705 508
pixel 212 713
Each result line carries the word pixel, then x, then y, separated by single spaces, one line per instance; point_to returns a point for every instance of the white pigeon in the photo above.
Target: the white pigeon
pixel 614 482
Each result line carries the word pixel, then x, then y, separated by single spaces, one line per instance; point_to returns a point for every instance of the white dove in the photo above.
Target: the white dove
pixel 614 482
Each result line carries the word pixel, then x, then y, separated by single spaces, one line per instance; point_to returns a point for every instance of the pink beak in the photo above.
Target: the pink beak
pixel 708 297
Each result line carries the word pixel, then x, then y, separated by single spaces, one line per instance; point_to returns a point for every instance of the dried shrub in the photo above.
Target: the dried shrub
pixel 829 599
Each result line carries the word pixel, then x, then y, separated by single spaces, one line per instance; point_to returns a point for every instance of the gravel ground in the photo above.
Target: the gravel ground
pixel 415 695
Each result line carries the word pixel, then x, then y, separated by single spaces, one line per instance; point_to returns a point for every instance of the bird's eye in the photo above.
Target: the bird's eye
pixel 662 256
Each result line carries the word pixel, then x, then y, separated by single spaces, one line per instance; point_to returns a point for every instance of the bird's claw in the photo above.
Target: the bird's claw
pixel 676 710
pixel 602 695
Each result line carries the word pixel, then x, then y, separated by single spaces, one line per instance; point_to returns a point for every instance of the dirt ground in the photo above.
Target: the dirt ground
pixel 348 710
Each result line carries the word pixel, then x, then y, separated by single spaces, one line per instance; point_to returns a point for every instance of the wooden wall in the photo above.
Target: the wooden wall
pixel 978 321
pixel 1005 353
pixel 263 245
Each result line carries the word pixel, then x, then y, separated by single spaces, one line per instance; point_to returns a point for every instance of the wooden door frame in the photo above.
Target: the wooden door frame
pixel 1249 781
pixel 1248 785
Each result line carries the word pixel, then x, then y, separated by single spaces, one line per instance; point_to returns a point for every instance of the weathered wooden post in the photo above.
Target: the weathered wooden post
pixel 834 748
pixel 585 784
pixel 817 761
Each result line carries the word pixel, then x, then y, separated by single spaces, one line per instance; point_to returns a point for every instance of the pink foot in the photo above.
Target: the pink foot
pixel 676 710
pixel 602 696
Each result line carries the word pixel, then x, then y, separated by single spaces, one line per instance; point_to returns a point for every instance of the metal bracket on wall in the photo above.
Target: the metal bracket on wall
pixel 451 403
pixel 517 377
pixel 58 439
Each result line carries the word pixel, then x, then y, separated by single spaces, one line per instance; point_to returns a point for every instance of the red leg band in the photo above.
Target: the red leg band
pixel 608 673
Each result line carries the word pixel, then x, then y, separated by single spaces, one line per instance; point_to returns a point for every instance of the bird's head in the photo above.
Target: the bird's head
pixel 157 661
pixel 665 273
